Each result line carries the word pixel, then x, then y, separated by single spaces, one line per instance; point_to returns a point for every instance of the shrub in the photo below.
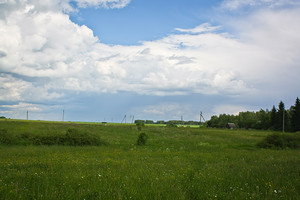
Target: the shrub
pixel 142 138
pixel 140 125
pixel 281 141
pixel 5 138
pixel 172 125
pixel 47 140
pixel 72 137
pixel 76 138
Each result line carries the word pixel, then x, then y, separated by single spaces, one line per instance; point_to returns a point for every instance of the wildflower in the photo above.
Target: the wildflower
pixel 275 191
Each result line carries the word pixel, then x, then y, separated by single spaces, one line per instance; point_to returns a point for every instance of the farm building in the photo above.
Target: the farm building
pixel 230 125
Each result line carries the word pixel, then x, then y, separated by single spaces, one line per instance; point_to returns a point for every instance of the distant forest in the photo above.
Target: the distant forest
pixel 277 119
pixel 178 122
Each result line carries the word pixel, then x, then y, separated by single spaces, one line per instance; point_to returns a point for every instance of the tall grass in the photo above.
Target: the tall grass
pixel 175 163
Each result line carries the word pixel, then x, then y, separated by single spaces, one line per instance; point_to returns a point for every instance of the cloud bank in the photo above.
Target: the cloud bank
pixel 238 4
pixel 44 55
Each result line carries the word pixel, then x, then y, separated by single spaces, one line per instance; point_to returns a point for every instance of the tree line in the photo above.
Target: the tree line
pixel 277 119
pixel 178 122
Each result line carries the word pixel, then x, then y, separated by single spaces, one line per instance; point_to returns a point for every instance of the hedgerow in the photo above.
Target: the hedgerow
pixel 72 137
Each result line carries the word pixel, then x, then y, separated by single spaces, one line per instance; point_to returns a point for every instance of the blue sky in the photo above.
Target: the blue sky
pixel 100 60
pixel 145 20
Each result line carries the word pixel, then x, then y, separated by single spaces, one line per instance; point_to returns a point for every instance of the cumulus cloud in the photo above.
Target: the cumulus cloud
pixel 238 4
pixel 103 3
pixel 23 107
pixel 164 111
pixel 206 27
pixel 44 54
pixel 229 109
pixel 22 110
pixel 12 89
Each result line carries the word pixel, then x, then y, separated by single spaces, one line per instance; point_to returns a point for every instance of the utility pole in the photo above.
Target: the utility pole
pixel 200 117
pixel 27 114
pixel 124 119
pixel 63 117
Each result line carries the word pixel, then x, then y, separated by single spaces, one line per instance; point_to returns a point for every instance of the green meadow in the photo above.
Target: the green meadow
pixel 175 163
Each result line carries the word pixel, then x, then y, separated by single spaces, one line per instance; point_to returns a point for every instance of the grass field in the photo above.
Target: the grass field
pixel 175 163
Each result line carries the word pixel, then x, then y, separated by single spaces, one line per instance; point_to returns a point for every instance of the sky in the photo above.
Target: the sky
pixel 99 60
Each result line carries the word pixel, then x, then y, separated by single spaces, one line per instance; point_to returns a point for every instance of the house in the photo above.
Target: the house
pixel 230 125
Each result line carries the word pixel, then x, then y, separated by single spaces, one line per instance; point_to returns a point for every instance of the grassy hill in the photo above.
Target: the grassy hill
pixel 175 163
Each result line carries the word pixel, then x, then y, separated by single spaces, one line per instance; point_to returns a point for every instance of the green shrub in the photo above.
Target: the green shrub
pixel 47 140
pixel 5 137
pixel 72 137
pixel 140 125
pixel 76 138
pixel 172 125
pixel 281 141
pixel 142 138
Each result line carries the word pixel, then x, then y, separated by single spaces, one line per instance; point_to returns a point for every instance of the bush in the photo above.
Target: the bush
pixel 72 137
pixel 281 141
pixel 76 138
pixel 142 138
pixel 140 125
pixel 5 138
pixel 47 140
pixel 172 125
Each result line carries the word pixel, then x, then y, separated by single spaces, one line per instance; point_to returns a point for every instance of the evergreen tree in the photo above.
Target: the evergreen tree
pixel 274 120
pixel 282 118
pixel 295 116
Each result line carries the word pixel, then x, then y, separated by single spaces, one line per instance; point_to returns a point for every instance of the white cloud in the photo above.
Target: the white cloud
pixel 34 6
pixel 164 111
pixel 206 27
pixel 103 3
pixel 12 89
pixel 43 54
pixel 229 109
pixel 22 107
pixel 238 4
pixel 22 110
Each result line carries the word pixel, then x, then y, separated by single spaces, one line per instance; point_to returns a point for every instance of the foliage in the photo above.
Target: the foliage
pixel 72 137
pixel 142 139
pixel 140 125
pixel 168 122
pixel 222 121
pixel 5 138
pixel 281 141
pixel 76 138
pixel 263 119
pixel 171 125
pixel 295 116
